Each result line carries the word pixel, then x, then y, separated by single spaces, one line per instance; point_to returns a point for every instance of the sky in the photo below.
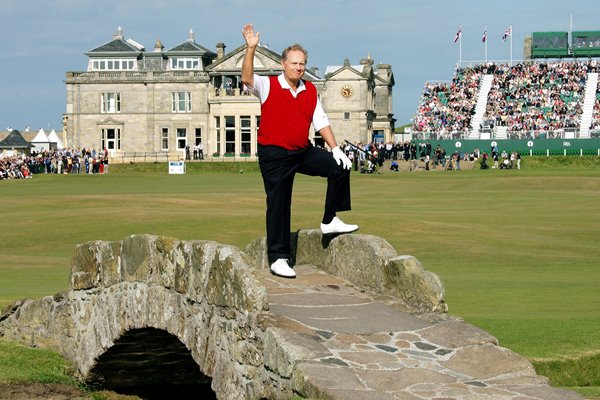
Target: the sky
pixel 44 39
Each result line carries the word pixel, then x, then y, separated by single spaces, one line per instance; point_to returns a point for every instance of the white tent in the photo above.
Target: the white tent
pixel 53 137
pixel 41 141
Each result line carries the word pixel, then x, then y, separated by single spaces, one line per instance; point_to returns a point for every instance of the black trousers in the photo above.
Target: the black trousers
pixel 278 167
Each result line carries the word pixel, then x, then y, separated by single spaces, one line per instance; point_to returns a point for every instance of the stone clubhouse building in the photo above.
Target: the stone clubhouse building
pixel 130 100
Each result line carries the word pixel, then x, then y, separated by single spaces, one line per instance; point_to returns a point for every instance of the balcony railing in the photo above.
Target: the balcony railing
pixel 159 76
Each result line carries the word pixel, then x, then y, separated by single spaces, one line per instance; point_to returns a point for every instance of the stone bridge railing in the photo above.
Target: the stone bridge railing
pixel 208 296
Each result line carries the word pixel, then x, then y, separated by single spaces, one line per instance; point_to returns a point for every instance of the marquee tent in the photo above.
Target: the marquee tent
pixel 41 141
pixel 53 138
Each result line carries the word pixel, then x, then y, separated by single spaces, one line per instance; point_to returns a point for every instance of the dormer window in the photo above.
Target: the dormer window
pixel 113 64
pixel 183 63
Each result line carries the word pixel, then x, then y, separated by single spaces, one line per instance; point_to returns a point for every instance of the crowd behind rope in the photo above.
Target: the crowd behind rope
pixel 536 98
pixel 370 158
pixel 66 161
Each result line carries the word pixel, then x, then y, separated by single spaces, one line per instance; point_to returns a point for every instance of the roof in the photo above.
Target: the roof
pixel 333 68
pixel 191 47
pixel 41 137
pixel 14 140
pixel 53 137
pixel 115 46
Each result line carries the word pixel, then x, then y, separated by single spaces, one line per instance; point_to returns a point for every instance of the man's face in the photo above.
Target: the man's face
pixel 294 66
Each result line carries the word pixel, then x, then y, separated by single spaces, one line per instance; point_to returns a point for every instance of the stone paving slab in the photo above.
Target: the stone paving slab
pixel 349 344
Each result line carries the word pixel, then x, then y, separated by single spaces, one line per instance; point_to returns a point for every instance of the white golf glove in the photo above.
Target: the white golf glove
pixel 341 158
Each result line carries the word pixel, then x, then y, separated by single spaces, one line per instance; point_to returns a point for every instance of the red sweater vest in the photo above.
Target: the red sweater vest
pixel 285 120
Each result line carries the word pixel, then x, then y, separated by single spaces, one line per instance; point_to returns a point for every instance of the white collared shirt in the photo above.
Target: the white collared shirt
pixel 261 89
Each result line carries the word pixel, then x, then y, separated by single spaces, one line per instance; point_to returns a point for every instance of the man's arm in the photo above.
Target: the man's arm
pixel 328 136
pixel 252 40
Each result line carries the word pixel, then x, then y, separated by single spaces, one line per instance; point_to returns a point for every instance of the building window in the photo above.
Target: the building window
pixel 346 115
pixel 110 138
pixel 246 134
pixel 230 134
pixel 184 63
pixel 218 133
pixel 113 64
pixel 110 103
pixel 198 136
pixel 181 102
pixel 164 139
pixel 181 138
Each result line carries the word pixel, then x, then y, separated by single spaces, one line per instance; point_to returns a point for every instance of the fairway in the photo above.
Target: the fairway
pixel 517 250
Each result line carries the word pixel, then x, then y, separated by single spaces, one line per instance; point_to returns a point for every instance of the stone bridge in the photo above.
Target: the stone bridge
pixel 359 322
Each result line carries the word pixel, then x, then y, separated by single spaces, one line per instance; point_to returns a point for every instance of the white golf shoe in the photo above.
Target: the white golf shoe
pixel 337 226
pixel 282 268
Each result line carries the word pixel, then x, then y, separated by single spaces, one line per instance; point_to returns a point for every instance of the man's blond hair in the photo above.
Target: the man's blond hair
pixel 294 47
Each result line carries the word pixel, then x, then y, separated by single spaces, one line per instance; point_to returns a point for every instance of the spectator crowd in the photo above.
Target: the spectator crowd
pixel 529 99
pixel 595 124
pixel 67 161
pixel 448 108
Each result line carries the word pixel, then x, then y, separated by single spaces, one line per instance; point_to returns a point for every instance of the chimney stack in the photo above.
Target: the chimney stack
pixel 119 34
pixel 220 50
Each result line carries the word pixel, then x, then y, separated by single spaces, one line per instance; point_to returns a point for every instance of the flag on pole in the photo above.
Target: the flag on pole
pixel 458 34
pixel 507 33
pixel 484 37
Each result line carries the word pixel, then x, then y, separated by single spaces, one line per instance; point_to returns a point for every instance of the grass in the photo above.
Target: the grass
pixel 516 250
pixel 20 364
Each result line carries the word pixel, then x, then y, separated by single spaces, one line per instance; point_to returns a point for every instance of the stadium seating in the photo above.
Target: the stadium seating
pixel 534 99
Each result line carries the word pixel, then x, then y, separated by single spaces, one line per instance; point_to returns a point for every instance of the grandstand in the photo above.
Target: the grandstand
pixel 553 95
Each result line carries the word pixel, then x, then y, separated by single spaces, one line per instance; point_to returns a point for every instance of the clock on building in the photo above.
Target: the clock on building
pixel 347 91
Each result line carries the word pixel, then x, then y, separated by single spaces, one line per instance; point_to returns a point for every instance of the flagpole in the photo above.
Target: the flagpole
pixel 460 50
pixel 485 43
pixel 511 35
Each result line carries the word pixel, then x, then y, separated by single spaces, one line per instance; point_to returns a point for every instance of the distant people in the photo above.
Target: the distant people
pixel 457 156
pixel 406 151
pixel 537 99
pixel 495 159
pixel 484 159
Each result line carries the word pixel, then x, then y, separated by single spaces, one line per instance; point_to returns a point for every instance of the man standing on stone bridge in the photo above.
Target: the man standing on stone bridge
pixel 289 105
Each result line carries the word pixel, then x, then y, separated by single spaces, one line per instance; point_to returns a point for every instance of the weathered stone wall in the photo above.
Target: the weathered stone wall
pixel 202 292
pixel 368 262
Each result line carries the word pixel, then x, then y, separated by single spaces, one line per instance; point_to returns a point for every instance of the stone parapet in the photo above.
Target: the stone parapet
pixel 369 262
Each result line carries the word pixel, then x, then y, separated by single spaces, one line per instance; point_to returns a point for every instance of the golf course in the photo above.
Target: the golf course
pixel 517 250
